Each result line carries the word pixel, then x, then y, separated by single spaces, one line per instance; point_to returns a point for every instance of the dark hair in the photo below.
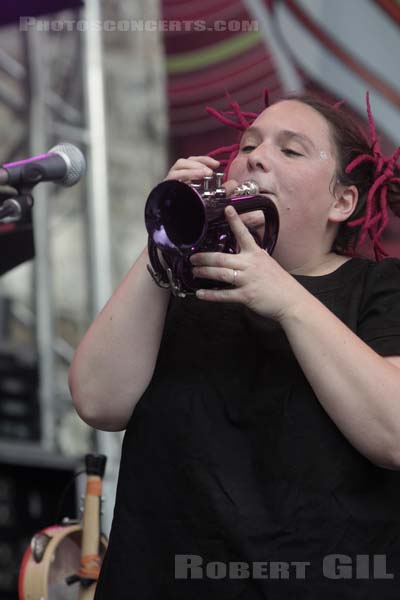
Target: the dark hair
pixel 349 143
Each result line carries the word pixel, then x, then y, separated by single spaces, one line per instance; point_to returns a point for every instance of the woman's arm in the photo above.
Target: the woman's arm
pixel 115 361
pixel 358 388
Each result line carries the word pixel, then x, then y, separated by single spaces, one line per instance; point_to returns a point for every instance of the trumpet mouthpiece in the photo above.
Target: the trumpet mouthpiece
pixel 247 188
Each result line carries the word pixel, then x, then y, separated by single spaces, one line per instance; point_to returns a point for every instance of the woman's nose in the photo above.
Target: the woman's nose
pixel 257 159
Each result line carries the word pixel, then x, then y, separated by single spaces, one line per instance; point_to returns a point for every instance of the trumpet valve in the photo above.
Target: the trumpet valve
pixel 206 186
pixel 219 190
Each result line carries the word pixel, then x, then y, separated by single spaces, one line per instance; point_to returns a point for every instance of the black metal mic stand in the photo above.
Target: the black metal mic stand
pixel 16 208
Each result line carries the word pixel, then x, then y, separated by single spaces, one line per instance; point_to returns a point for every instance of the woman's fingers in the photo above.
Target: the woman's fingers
pixel 188 174
pixel 192 168
pixel 206 160
pixel 218 274
pixel 242 235
pixel 221 260
pixel 224 260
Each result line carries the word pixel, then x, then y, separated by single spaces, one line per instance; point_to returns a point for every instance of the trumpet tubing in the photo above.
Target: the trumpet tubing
pixel 182 219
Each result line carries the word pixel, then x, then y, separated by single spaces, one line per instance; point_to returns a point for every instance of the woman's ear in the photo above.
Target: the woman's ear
pixel 345 202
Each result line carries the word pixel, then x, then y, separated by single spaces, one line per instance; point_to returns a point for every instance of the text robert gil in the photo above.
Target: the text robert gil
pixel 334 566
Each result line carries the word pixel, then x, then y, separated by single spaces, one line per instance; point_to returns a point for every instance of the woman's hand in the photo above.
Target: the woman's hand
pixel 260 283
pixel 192 168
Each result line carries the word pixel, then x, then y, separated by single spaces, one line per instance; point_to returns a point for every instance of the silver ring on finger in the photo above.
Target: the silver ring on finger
pixel 234 277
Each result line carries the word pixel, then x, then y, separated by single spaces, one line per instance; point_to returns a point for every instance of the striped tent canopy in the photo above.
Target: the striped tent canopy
pixel 244 46
pixel 221 51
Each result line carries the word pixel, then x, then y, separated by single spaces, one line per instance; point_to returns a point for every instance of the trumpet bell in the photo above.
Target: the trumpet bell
pixel 175 217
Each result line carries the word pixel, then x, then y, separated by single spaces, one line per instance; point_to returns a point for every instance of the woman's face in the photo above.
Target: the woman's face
pixel 288 152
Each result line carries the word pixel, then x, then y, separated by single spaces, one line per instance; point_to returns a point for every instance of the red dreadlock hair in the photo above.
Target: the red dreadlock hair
pixel 360 162
pixel 375 219
pixel 244 120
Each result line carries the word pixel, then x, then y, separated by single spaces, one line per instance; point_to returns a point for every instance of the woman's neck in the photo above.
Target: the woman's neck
pixel 322 265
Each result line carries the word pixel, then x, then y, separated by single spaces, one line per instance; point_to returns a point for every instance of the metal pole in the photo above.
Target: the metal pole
pixel 98 203
pixel 43 284
pixel 98 220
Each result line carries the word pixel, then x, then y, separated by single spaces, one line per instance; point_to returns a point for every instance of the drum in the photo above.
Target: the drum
pixel 63 561
pixel 54 556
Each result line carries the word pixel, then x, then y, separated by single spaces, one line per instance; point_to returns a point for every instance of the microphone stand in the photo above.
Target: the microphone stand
pixel 16 208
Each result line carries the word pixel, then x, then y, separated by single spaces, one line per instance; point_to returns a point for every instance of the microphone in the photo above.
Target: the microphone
pixel 64 164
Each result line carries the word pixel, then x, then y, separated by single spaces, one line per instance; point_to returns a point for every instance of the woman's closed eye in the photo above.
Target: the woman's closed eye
pixel 290 152
pixel 248 148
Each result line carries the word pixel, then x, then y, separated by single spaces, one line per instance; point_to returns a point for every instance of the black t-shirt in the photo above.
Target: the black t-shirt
pixel 234 481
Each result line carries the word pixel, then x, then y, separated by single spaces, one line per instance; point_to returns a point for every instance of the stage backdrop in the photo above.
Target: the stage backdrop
pixel 11 11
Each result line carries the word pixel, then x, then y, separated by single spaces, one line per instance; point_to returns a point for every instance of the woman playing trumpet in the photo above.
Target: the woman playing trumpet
pixel 262 420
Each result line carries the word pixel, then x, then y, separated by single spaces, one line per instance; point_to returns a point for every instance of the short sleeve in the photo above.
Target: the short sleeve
pixel 379 317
